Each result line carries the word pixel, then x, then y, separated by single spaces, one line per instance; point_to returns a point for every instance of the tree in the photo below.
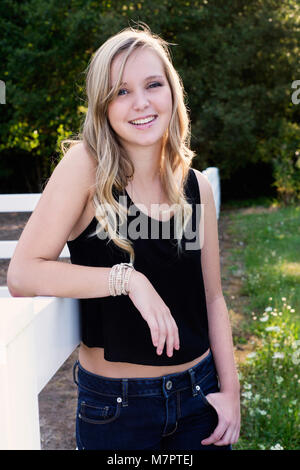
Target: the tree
pixel 237 61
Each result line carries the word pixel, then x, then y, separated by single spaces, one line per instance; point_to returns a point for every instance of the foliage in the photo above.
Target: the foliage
pixel 237 61
pixel 269 263
pixel 287 162
pixel 267 241
pixel 270 383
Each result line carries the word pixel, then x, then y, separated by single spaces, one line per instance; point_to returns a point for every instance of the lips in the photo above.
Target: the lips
pixel 143 120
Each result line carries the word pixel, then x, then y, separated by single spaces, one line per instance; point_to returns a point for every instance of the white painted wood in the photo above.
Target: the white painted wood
pixel 19 202
pixel 213 175
pixel 8 247
pixel 19 425
pixel 37 335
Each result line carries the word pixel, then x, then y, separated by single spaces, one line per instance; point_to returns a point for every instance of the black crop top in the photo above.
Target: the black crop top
pixel 114 323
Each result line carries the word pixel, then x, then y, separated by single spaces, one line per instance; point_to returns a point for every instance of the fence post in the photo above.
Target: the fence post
pixel 19 412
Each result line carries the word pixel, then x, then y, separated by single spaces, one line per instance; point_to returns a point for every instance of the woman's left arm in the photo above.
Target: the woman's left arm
pixel 227 401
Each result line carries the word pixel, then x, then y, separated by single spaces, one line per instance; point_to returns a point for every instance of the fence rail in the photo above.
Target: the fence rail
pixel 37 335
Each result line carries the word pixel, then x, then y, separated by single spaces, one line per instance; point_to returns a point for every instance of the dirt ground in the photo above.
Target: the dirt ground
pixel 57 401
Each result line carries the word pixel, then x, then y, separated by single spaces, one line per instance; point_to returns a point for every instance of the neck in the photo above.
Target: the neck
pixel 146 162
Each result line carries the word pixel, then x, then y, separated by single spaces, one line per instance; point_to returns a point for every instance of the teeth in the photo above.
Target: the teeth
pixel 143 121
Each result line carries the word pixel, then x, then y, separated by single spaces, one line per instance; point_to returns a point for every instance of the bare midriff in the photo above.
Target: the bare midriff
pixel 92 359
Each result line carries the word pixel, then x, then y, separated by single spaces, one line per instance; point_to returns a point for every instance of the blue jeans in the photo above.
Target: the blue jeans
pixel 161 413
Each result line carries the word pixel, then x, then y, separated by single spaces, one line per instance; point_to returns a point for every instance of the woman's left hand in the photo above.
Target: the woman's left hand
pixel 227 406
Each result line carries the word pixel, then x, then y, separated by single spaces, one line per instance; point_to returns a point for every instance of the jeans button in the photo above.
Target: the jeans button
pixel 169 385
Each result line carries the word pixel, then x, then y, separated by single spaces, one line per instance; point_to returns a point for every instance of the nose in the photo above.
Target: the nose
pixel 140 100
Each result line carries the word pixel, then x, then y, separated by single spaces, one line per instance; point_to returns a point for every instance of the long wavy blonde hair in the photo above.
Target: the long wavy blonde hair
pixel 114 168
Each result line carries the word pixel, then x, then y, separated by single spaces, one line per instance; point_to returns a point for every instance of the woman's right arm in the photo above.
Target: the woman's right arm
pixel 34 269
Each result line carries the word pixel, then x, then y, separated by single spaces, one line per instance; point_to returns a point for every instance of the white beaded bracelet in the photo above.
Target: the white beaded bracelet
pixel 119 278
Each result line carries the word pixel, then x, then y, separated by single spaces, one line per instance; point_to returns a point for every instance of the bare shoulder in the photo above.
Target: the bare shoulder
pixel 78 158
pixel 59 208
pixel 205 187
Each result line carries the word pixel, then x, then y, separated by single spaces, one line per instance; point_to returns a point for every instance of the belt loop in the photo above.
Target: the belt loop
pixel 191 371
pixel 124 392
pixel 164 386
pixel 74 372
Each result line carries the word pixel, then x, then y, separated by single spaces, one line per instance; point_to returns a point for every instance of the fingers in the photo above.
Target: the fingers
pixel 154 330
pixel 164 331
pixel 228 428
pixel 229 437
pixel 216 435
pixel 223 435
pixel 226 439
pixel 167 334
pixel 162 335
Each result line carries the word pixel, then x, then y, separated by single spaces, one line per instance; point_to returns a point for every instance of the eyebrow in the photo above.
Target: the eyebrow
pixel 151 77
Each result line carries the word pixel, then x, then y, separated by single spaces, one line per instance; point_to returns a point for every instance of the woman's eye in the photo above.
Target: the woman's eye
pixel 119 93
pixel 123 91
pixel 155 84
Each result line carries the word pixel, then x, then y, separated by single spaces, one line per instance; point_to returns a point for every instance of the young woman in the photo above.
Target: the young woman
pixel 156 366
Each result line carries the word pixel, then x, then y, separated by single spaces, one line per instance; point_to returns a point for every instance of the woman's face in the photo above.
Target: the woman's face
pixel 141 112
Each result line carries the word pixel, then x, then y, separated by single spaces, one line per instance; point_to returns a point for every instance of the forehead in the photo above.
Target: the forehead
pixel 139 65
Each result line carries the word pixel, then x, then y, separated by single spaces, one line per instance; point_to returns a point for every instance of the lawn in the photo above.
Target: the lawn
pixel 268 260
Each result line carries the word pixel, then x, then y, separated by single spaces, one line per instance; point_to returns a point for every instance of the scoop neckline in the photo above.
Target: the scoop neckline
pixel 151 218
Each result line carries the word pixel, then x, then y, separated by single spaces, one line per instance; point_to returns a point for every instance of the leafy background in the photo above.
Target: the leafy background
pixel 237 60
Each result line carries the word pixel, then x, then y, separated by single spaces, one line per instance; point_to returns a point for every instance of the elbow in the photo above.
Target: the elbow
pixel 14 289
pixel 15 285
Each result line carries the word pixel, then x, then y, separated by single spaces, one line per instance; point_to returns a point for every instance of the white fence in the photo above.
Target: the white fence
pixel 37 335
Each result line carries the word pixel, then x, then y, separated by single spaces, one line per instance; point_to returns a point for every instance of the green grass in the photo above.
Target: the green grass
pixel 250 202
pixel 267 255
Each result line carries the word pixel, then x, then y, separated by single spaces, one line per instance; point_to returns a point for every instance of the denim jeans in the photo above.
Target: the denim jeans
pixel 161 413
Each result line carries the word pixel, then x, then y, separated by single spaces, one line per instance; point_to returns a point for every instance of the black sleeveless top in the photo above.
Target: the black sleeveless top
pixel 114 323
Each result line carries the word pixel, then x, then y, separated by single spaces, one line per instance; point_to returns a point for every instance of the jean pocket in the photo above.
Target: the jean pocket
pixel 207 385
pixel 96 413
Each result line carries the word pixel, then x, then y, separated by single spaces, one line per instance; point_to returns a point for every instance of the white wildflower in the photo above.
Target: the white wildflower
pixel 265 318
pixel 278 355
pixel 251 355
pixel 266 400
pixel 247 395
pixel 273 328
pixel 247 386
pixel 276 447
pixel 268 309
pixel 279 379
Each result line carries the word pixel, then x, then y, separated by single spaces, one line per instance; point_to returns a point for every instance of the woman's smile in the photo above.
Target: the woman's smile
pixel 144 123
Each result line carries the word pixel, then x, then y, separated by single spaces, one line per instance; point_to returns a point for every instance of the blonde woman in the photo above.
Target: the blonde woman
pixel 156 366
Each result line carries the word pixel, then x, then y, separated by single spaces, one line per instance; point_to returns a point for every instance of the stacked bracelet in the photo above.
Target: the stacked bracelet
pixel 119 278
